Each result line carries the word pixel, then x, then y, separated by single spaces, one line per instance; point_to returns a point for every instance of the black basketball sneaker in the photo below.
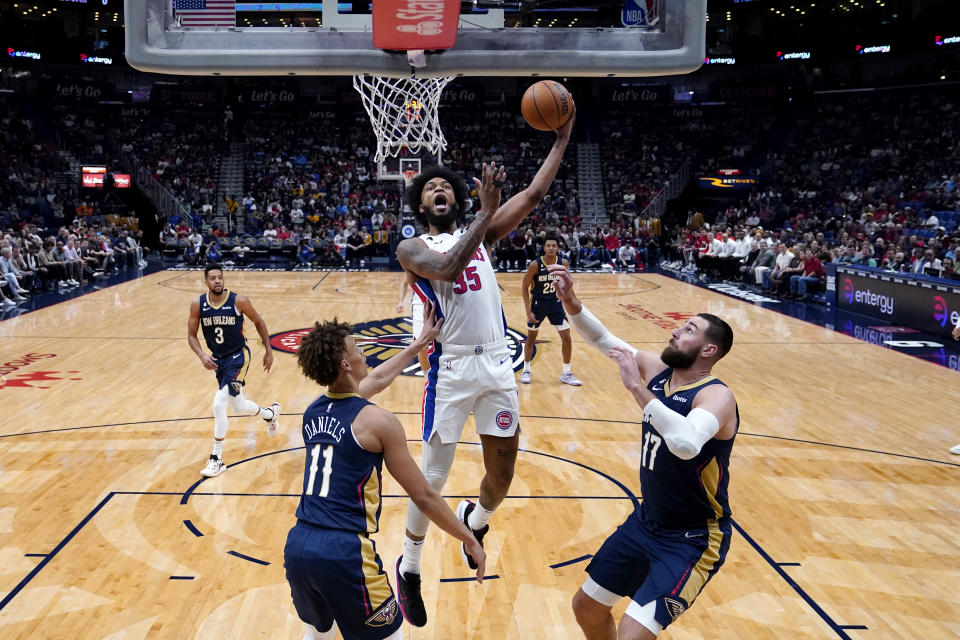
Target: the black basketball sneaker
pixel 463 512
pixel 409 598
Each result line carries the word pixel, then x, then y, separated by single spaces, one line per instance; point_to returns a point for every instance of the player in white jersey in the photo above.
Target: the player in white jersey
pixel 471 369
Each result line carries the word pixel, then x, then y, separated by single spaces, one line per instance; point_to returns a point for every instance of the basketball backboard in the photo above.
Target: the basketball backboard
pixel 522 38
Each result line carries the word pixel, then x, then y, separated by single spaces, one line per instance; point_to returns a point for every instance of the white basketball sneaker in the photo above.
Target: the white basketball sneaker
pixel 955 449
pixel 569 378
pixel 214 467
pixel 525 377
pixel 273 428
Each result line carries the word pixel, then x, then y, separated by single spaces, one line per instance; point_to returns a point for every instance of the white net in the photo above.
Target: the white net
pixel 403 112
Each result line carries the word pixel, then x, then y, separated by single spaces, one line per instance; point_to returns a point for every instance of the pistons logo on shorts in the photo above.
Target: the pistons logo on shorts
pixel 504 420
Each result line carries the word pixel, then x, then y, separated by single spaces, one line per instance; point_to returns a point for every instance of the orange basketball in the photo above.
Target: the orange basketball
pixel 547 105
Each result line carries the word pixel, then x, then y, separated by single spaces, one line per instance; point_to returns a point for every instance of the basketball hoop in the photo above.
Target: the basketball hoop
pixel 403 112
pixel 408 177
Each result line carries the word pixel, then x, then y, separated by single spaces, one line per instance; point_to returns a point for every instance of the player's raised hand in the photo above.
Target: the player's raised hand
pixel 268 359
pixel 562 280
pixel 629 372
pixel 488 189
pixel 208 361
pixel 567 128
pixel 431 324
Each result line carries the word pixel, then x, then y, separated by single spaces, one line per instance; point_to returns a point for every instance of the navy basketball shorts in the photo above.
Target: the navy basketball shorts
pixel 557 318
pixel 337 576
pixel 232 371
pixel 662 569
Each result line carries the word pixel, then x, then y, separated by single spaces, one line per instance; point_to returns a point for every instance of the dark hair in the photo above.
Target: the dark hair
pixel 321 350
pixel 553 237
pixel 212 266
pixel 415 191
pixel 719 333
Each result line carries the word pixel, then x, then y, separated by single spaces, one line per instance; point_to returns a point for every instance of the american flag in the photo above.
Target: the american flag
pixel 206 13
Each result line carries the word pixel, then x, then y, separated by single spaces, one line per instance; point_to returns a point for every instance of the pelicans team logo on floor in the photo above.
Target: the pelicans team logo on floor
pixel 382 339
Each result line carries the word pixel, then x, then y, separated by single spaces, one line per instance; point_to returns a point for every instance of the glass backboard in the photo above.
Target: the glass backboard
pixel 493 38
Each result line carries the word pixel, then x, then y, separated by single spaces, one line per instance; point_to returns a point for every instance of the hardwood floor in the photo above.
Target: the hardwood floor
pixel 845 497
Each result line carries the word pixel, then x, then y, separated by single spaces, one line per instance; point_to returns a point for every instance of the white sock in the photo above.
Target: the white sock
pixel 566 368
pixel 218 448
pixel 478 518
pixel 411 555
pixel 526 367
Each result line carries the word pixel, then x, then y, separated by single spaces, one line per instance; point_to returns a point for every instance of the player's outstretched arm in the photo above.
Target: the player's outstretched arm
pixel 414 255
pixel 592 330
pixel 381 377
pixel 246 308
pixel 193 324
pixel 401 466
pixel 516 208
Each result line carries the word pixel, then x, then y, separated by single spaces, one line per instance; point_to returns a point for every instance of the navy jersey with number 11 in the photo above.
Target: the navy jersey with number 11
pixel 341 479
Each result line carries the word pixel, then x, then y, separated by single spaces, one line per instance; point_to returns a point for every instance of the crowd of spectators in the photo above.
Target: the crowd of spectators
pixel 867 181
pixel 29 165
pixel 34 259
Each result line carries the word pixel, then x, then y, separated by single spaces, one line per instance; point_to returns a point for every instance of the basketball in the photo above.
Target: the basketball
pixel 546 105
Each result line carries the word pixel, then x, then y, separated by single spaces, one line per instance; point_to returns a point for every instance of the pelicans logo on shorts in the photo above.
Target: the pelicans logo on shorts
pixel 674 607
pixel 382 339
pixel 384 615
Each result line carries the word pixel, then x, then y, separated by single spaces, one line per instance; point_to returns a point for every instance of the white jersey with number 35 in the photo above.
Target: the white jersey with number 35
pixel 471 307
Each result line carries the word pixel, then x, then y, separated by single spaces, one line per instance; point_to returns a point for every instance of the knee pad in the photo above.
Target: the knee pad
pixel 437 461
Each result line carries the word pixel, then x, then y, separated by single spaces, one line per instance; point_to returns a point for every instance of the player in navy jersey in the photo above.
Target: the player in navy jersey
pixel 331 562
pixel 666 551
pixel 539 283
pixel 220 314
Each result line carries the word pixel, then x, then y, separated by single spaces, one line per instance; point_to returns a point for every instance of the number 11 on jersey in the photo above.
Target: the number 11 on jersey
pixel 327 469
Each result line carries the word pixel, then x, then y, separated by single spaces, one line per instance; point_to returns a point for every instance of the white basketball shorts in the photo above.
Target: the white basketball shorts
pixel 464 379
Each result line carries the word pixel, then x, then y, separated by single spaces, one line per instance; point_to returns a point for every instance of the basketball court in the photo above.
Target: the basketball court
pixel 845 499
pixel 843 494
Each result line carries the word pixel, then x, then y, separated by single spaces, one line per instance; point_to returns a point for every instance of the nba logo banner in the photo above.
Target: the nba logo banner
pixel 635 15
